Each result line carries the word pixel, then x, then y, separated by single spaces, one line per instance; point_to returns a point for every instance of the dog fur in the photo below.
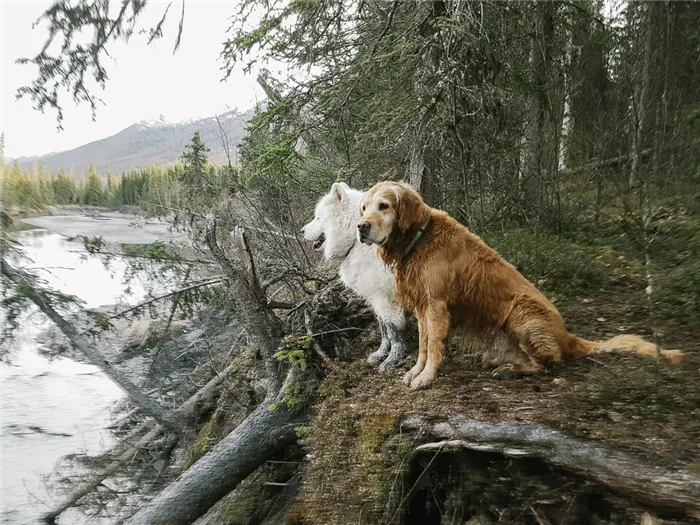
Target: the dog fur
pixel 335 219
pixel 451 278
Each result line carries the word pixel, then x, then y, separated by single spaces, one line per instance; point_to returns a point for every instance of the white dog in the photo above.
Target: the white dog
pixel 335 228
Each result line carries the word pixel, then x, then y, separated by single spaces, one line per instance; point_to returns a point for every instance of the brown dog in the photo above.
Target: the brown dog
pixel 450 278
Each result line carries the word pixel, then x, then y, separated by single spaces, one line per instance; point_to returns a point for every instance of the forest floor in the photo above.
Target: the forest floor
pixel 648 408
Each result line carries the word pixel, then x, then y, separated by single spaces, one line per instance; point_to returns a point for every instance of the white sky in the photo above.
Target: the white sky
pixel 144 81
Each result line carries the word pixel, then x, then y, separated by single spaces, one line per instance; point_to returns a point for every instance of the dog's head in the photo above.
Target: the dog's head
pixel 334 221
pixel 390 207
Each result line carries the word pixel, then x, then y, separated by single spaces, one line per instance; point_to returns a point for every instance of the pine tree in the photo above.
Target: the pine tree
pixel 110 194
pixel 64 188
pixel 195 176
pixel 93 194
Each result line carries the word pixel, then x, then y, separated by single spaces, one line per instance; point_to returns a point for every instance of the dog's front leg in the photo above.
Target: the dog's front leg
pixel 380 354
pixel 422 349
pixel 438 322
pixel 396 336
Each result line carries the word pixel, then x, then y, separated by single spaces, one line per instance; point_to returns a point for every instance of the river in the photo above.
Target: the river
pixel 54 407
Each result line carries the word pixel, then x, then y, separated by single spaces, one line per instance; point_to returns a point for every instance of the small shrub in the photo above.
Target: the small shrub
pixel 678 294
pixel 549 262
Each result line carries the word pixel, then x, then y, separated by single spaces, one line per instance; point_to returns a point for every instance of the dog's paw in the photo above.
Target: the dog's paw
pixel 378 356
pixel 387 366
pixel 424 380
pixel 412 374
pixel 505 371
pixel 391 361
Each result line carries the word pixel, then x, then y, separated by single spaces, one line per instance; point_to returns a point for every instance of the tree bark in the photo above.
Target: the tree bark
pixel 639 103
pixel 673 490
pixel 220 471
pixel 43 302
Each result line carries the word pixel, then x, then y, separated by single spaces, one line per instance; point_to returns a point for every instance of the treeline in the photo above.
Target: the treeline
pixel 154 184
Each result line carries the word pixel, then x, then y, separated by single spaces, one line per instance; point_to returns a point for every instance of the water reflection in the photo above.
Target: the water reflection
pixel 51 408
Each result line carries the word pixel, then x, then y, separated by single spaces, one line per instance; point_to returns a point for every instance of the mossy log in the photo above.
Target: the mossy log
pixel 676 491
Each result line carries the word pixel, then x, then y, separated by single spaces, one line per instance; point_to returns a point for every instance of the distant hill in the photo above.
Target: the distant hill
pixel 147 142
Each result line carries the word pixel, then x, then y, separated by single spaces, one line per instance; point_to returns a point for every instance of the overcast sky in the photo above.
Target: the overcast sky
pixel 145 81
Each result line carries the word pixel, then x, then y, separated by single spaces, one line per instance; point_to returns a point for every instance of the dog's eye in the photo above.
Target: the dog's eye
pixel 363 208
pixel 383 206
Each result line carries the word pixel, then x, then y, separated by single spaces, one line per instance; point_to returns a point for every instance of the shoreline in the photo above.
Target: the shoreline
pixel 114 227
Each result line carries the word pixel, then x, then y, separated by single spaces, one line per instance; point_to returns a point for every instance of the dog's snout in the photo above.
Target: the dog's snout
pixel 363 228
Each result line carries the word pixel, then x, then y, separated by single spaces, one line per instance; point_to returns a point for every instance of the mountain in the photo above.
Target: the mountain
pixel 148 142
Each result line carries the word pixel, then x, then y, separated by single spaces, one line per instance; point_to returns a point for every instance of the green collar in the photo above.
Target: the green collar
pixel 416 238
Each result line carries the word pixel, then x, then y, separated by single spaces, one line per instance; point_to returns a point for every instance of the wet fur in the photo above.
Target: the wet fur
pixel 451 279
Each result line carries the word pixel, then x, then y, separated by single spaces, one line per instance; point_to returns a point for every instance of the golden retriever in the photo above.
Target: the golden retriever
pixel 450 278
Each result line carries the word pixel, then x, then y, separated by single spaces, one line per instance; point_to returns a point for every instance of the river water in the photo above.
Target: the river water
pixel 54 407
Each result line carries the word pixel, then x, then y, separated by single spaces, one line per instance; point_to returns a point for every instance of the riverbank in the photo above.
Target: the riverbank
pixel 112 226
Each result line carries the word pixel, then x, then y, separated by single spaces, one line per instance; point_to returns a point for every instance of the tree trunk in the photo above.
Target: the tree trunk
pixel 220 471
pixel 673 490
pixel 43 302
pixel 639 103
pixel 416 172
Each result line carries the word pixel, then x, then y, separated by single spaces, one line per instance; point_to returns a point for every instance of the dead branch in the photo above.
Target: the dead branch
pixel 282 305
pixel 204 395
pixel 207 282
pixel 264 327
pixel 270 426
pixel 317 348
pixel 675 490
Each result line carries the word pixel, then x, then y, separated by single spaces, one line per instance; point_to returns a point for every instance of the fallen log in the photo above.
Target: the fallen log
pixel 672 490
pixel 268 428
pixel 603 163
pixel 127 455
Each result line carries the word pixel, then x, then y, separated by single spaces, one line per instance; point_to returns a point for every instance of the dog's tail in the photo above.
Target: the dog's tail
pixel 622 343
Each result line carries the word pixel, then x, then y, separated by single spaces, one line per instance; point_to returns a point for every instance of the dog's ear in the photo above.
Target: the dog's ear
pixel 411 209
pixel 338 190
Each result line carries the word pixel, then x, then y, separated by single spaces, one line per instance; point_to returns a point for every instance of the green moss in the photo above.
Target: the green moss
pixel 359 454
pixel 203 443
pixel 302 432
pixel 372 431
pixel 243 503
pixel 298 387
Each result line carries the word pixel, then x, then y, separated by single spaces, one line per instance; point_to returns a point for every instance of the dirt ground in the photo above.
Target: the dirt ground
pixel 648 408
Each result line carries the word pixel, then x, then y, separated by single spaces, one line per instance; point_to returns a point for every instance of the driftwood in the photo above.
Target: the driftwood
pixel 205 395
pixel 672 490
